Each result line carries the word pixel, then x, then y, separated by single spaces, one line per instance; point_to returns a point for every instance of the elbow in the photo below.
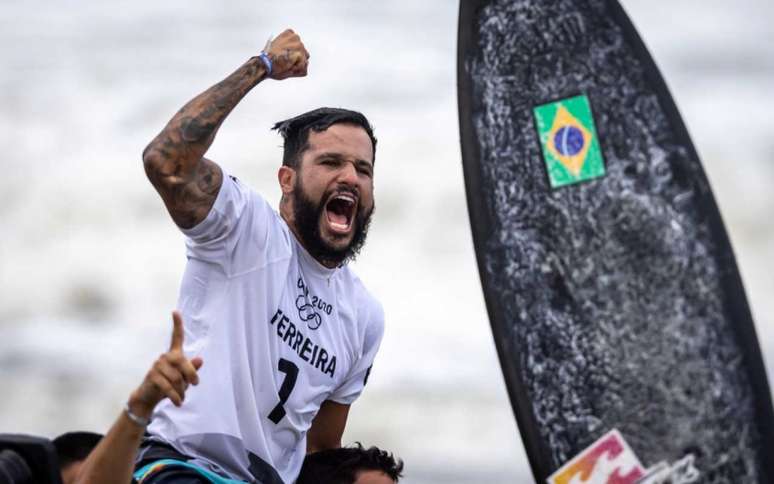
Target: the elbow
pixel 150 155
pixel 153 161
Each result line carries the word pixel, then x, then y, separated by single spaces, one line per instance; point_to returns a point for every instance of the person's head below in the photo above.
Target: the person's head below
pixel 326 179
pixel 72 449
pixel 351 465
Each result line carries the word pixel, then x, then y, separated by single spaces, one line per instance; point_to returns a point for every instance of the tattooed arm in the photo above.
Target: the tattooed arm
pixel 174 161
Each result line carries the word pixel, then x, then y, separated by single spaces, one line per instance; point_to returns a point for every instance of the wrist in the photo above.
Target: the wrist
pixel 140 422
pixel 265 60
pixel 139 407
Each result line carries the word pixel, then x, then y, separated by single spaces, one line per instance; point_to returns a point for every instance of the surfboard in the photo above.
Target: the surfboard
pixel 610 283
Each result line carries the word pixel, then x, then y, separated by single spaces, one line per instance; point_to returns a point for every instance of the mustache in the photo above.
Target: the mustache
pixel 342 189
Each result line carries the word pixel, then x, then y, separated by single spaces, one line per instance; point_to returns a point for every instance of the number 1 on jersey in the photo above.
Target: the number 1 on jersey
pixel 291 373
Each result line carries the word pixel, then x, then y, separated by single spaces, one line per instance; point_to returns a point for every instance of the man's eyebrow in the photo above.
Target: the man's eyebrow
pixel 337 156
pixel 333 155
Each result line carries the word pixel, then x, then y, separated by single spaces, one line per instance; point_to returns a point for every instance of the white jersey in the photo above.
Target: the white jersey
pixel 279 335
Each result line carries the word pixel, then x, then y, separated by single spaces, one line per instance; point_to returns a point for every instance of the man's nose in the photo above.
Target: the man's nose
pixel 348 174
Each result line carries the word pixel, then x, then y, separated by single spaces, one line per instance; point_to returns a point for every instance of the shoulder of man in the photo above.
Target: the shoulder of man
pixel 241 232
pixel 370 312
pixel 358 290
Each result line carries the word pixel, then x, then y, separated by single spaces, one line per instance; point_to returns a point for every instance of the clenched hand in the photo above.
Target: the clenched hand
pixel 288 55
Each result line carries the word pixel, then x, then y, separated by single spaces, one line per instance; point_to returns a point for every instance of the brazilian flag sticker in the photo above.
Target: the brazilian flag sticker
pixel 569 140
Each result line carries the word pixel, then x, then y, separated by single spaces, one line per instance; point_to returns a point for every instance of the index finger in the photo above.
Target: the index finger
pixel 177 332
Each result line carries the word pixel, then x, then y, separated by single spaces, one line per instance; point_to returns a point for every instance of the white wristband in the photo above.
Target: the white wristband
pixel 142 422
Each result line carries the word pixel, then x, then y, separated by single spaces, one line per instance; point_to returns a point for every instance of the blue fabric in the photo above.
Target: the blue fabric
pixel 152 468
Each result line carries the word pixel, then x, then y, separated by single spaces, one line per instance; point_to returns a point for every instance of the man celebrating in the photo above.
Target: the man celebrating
pixel 287 331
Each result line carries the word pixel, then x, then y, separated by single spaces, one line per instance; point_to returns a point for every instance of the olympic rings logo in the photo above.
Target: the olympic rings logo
pixel 308 307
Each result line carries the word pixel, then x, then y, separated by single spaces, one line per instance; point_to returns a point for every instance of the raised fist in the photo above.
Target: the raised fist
pixel 288 55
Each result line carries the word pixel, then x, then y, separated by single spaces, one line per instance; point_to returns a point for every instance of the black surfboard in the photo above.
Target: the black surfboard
pixel 611 286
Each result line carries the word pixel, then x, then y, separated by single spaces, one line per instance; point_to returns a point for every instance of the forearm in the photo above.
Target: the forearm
pixel 327 427
pixel 112 461
pixel 174 161
pixel 179 148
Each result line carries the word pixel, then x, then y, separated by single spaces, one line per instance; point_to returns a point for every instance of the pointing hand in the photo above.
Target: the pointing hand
pixel 169 376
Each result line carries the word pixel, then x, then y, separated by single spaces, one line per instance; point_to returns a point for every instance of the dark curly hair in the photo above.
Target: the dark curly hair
pixel 295 131
pixel 341 466
pixel 75 446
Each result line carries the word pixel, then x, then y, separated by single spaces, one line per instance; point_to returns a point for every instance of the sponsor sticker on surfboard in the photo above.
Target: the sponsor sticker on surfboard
pixel 569 140
pixel 609 460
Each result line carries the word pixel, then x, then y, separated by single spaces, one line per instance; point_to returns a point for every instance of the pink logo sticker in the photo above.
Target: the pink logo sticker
pixel 609 460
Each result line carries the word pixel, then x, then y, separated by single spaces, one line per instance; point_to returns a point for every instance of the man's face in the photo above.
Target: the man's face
pixel 333 193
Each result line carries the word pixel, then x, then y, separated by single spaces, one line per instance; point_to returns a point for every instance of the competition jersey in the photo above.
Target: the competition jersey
pixel 279 334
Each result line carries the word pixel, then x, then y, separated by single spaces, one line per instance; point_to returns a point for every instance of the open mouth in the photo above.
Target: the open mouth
pixel 340 211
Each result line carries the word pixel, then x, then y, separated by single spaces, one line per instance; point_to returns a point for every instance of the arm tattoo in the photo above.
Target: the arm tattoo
pixel 174 161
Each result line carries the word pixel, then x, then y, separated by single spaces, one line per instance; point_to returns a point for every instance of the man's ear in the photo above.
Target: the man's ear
pixel 287 179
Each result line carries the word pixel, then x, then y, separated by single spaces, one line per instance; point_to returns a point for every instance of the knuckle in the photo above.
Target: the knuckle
pixel 157 382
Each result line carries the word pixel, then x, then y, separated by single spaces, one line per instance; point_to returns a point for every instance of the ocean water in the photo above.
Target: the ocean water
pixel 90 262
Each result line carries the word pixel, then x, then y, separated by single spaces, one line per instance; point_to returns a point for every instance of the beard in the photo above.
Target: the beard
pixel 308 214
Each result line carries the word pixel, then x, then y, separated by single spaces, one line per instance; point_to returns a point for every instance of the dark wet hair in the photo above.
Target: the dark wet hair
pixel 295 131
pixel 341 466
pixel 75 446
